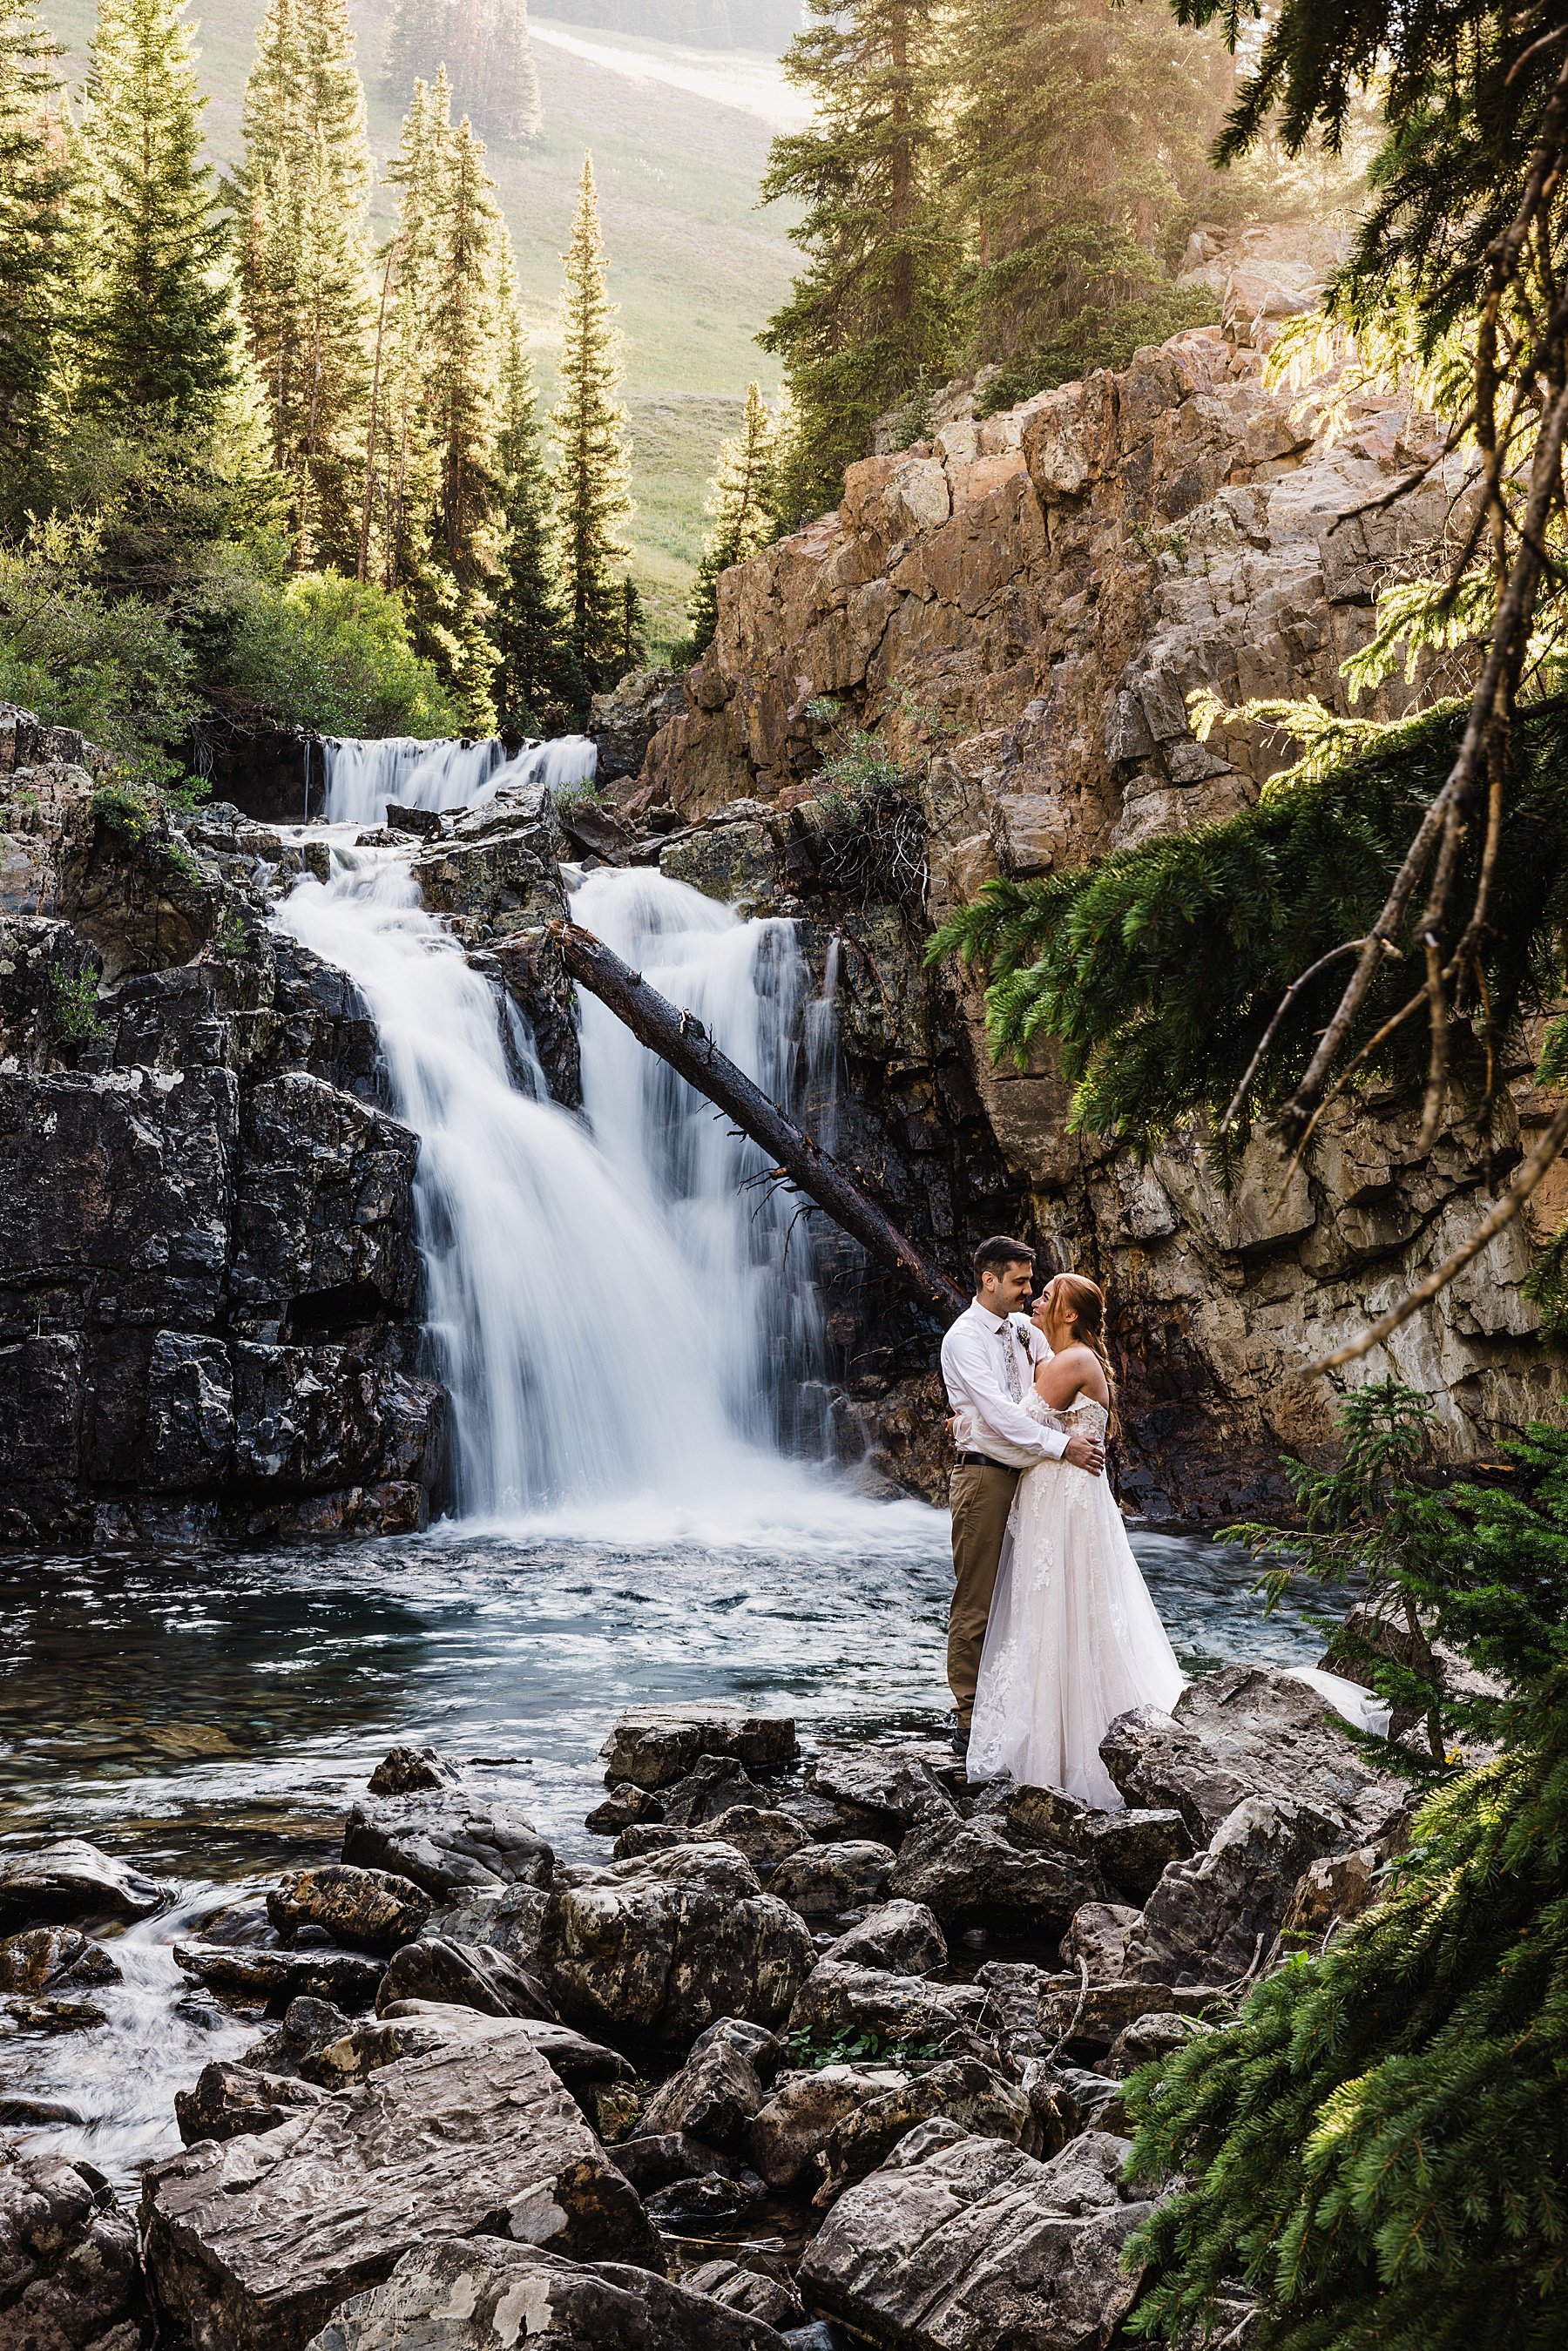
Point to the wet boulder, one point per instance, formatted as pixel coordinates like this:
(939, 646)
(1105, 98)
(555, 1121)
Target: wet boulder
(715, 1784)
(902, 1937)
(825, 1881)
(410, 1770)
(306, 2024)
(323, 1201)
(69, 2276)
(256, 2242)
(1248, 1731)
(1216, 1916)
(960, 2243)
(712, 2097)
(448, 1842)
(765, 1838)
(1131, 1849)
(240, 1972)
(366, 1909)
(626, 1806)
(464, 1975)
(970, 1871)
(891, 1789)
(654, 1746)
(664, 1945)
(962, 2090)
(507, 1919)
(486, 2294)
(70, 1882)
(53, 1960)
(229, 2101)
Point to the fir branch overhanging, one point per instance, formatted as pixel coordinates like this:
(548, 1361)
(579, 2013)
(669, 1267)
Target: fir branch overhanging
(1158, 969)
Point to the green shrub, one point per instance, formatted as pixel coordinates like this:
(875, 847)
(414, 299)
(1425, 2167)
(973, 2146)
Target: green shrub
(75, 1006)
(125, 808)
(328, 653)
(117, 668)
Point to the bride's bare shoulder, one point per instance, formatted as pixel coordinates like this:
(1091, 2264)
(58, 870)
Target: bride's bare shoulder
(1058, 1378)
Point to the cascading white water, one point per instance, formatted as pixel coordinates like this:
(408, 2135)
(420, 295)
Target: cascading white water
(617, 1309)
(363, 776)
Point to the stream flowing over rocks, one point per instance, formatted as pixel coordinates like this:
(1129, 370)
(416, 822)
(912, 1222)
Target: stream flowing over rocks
(658, 2102)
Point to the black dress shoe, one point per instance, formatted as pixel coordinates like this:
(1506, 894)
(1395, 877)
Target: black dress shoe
(959, 1737)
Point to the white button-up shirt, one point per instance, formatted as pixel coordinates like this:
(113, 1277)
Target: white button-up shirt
(974, 1358)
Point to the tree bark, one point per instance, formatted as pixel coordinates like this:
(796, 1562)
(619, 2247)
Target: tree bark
(680, 1038)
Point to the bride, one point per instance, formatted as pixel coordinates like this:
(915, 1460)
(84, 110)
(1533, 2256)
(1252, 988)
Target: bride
(1073, 1638)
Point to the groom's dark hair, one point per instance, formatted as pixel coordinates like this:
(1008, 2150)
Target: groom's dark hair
(995, 1256)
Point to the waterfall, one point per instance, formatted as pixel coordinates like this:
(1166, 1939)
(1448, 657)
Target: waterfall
(363, 776)
(623, 1311)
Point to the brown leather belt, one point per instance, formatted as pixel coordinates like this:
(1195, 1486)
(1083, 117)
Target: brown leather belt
(980, 1461)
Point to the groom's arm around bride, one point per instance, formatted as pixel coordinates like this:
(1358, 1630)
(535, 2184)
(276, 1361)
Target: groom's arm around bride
(987, 1366)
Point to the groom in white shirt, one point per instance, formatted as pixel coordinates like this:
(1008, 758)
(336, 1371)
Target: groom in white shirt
(987, 1364)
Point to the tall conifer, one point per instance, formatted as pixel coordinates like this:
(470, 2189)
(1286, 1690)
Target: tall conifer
(303, 194)
(486, 49)
(533, 670)
(34, 180)
(871, 312)
(591, 485)
(156, 331)
(739, 506)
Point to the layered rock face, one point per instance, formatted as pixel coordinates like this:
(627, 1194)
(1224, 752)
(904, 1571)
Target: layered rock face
(209, 1273)
(1019, 609)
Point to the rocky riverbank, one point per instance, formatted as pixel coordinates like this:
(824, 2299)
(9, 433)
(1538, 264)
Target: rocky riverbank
(829, 2051)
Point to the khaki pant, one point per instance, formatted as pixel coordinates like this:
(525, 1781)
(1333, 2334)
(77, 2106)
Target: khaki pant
(981, 1500)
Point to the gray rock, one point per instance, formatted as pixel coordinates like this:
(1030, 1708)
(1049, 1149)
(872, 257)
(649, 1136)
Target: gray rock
(366, 1909)
(624, 721)
(70, 1882)
(715, 1784)
(756, 2043)
(252, 2245)
(408, 1770)
(899, 2012)
(902, 1937)
(894, 1788)
(509, 1919)
(654, 2160)
(485, 2294)
(624, 1807)
(654, 1746)
(1132, 1849)
(239, 1971)
(1215, 1917)
(664, 1945)
(308, 2025)
(965, 2243)
(1098, 1937)
(963, 2090)
(1248, 1731)
(229, 2101)
(447, 1841)
(713, 2098)
(53, 1960)
(969, 1872)
(824, 1881)
(69, 2277)
(803, 2112)
(465, 1975)
(697, 2207)
(1093, 2019)
(1047, 1818)
(1158, 2034)
(415, 2028)
(762, 2293)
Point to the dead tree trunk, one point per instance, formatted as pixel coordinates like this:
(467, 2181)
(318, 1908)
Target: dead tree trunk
(680, 1038)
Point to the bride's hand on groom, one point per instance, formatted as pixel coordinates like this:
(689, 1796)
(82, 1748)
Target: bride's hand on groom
(1085, 1453)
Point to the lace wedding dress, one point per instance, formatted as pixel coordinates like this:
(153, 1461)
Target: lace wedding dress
(1074, 1639)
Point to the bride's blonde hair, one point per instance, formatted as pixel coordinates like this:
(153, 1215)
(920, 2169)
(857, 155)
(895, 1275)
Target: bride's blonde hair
(1087, 1301)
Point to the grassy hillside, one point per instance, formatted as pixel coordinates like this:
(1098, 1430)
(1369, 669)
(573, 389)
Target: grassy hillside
(695, 266)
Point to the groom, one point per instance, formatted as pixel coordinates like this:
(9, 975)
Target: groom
(988, 1365)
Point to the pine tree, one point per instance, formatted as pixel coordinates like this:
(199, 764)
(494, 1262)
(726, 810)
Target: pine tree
(740, 512)
(156, 333)
(871, 312)
(1080, 140)
(302, 194)
(534, 670)
(591, 487)
(35, 176)
(484, 48)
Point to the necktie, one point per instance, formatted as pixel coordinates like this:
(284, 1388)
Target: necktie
(1011, 1373)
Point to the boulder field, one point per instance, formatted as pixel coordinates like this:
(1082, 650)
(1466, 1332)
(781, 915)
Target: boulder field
(698, 2097)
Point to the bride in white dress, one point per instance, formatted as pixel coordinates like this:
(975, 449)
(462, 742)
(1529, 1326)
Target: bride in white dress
(1074, 1639)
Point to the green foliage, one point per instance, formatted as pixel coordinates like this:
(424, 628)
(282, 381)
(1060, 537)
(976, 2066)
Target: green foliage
(328, 653)
(591, 487)
(127, 809)
(534, 669)
(739, 512)
(484, 48)
(1159, 968)
(35, 177)
(155, 329)
(114, 666)
(73, 1006)
(1118, 308)
(870, 314)
(852, 2048)
(865, 826)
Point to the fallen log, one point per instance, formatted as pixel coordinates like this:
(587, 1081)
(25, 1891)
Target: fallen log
(680, 1038)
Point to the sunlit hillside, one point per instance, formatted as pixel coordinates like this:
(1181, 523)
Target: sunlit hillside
(679, 137)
